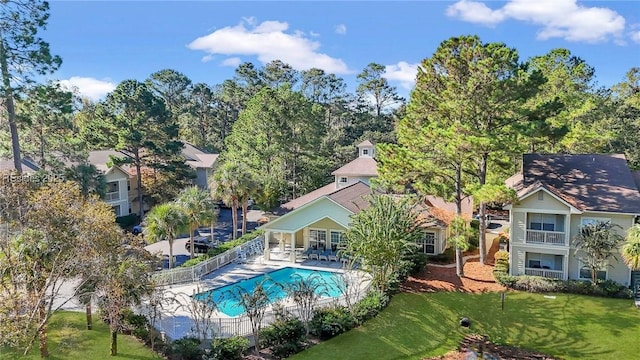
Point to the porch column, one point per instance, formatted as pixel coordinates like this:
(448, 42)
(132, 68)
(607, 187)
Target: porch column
(567, 228)
(292, 255)
(267, 250)
(565, 265)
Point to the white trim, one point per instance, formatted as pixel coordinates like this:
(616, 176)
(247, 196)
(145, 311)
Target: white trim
(571, 208)
(595, 219)
(541, 211)
(346, 179)
(610, 213)
(293, 212)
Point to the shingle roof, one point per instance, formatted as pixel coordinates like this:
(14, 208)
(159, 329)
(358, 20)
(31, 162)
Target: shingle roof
(196, 157)
(588, 182)
(365, 143)
(365, 166)
(309, 197)
(352, 197)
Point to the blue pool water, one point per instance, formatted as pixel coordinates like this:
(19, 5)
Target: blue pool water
(230, 306)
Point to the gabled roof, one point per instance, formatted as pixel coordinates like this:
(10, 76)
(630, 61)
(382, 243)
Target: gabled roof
(588, 182)
(365, 143)
(364, 166)
(198, 158)
(350, 197)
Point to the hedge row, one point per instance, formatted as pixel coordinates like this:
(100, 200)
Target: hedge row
(538, 284)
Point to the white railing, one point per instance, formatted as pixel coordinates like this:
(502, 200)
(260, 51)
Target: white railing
(194, 273)
(112, 196)
(545, 237)
(548, 273)
(176, 327)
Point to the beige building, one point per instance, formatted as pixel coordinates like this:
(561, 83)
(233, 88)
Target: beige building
(557, 194)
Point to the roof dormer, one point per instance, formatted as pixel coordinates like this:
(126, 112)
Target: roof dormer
(366, 149)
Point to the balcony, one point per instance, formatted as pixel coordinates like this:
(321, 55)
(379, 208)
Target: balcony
(548, 273)
(545, 237)
(112, 196)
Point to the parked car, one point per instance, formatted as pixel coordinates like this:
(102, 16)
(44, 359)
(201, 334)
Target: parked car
(201, 244)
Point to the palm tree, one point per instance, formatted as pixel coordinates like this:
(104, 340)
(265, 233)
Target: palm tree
(164, 222)
(597, 242)
(197, 207)
(631, 249)
(226, 187)
(246, 187)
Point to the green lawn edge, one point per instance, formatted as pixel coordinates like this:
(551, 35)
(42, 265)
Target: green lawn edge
(566, 326)
(69, 339)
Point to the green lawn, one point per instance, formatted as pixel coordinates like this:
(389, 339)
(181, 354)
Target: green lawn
(69, 339)
(415, 326)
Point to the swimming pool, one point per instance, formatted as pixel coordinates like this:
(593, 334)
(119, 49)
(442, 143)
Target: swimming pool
(230, 306)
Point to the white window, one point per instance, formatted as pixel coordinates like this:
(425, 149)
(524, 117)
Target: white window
(336, 238)
(428, 244)
(365, 151)
(544, 222)
(591, 220)
(343, 179)
(317, 238)
(584, 272)
(116, 210)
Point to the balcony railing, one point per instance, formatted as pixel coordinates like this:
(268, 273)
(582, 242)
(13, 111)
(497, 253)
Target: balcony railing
(545, 237)
(112, 196)
(548, 273)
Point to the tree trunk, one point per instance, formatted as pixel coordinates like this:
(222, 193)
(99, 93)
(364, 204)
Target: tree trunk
(171, 253)
(193, 246)
(10, 107)
(114, 343)
(234, 219)
(459, 263)
(139, 184)
(482, 241)
(245, 206)
(44, 348)
(87, 309)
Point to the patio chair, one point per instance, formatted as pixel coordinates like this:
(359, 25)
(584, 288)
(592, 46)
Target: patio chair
(307, 253)
(333, 256)
(314, 255)
(324, 255)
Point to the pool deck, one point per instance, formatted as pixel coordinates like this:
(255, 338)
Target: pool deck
(176, 320)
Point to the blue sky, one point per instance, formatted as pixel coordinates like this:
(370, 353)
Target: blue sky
(104, 42)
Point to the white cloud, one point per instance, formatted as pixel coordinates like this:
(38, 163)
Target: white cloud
(402, 72)
(341, 29)
(269, 41)
(314, 34)
(635, 36)
(89, 87)
(207, 58)
(475, 12)
(558, 18)
(232, 61)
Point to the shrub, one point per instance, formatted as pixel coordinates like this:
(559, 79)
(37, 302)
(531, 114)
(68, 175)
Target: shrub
(329, 322)
(127, 220)
(370, 305)
(501, 255)
(226, 246)
(447, 257)
(415, 263)
(230, 348)
(187, 348)
(284, 337)
(537, 284)
(196, 260)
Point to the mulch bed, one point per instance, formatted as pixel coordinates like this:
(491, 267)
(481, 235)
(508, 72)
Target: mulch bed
(469, 349)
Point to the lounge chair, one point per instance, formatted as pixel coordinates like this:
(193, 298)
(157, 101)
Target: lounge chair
(314, 255)
(324, 255)
(333, 256)
(307, 253)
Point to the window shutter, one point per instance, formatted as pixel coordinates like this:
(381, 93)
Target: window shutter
(520, 264)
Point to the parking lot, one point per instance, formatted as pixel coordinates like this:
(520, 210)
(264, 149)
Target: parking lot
(221, 233)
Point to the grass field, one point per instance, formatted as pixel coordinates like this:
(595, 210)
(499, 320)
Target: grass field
(415, 326)
(69, 339)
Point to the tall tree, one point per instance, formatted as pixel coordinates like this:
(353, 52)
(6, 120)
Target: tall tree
(277, 73)
(225, 186)
(171, 86)
(22, 54)
(197, 207)
(164, 222)
(45, 116)
(625, 111)
(596, 243)
(376, 89)
(137, 124)
(460, 120)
